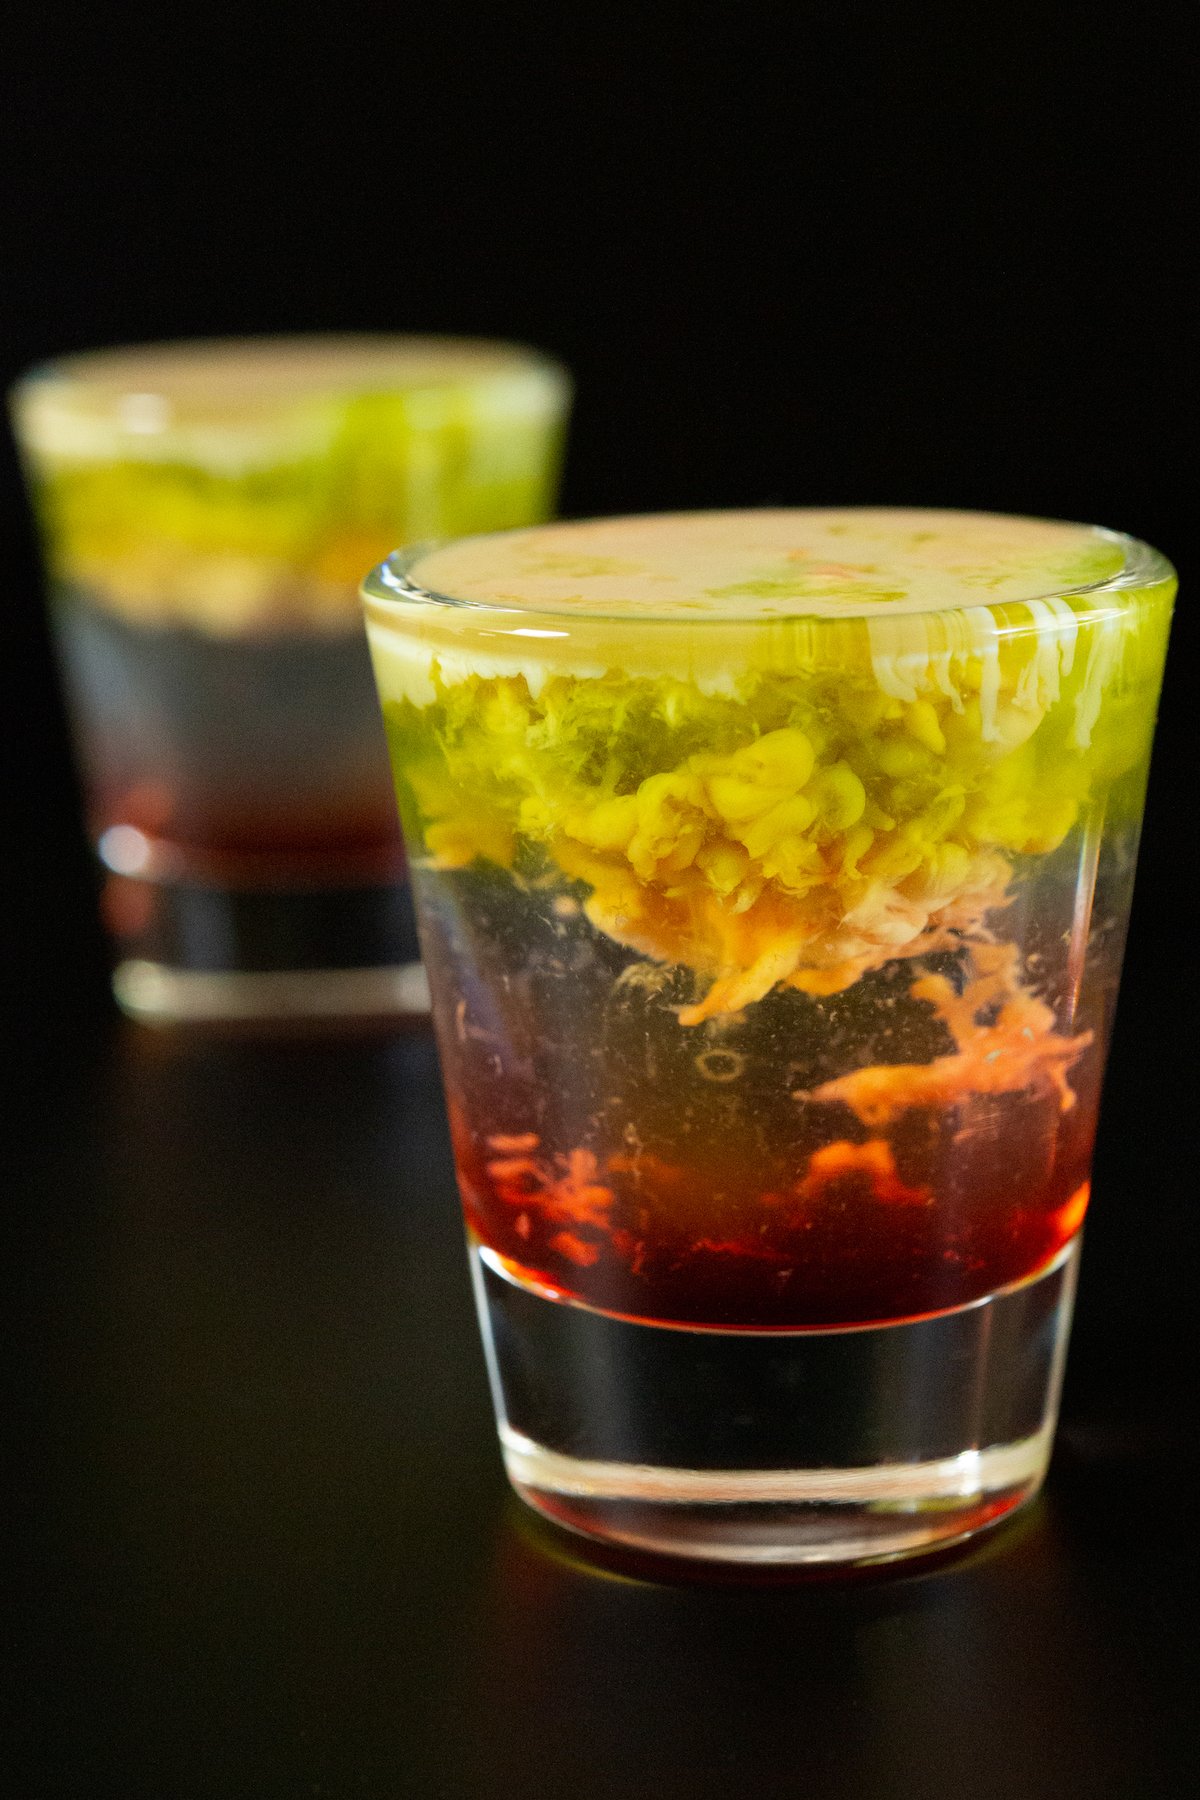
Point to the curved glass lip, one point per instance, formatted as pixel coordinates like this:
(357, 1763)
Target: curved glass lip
(255, 365)
(266, 399)
(390, 586)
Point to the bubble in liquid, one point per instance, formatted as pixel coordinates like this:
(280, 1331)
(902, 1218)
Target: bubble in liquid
(720, 1065)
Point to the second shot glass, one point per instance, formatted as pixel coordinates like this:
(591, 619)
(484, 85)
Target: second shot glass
(206, 512)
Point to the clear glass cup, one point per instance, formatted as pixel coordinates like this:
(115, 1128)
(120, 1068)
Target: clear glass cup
(772, 872)
(206, 511)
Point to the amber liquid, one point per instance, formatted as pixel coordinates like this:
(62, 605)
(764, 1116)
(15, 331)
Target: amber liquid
(242, 761)
(609, 1155)
(239, 796)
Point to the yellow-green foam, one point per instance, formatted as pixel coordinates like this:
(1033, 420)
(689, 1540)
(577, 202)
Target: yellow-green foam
(770, 797)
(229, 484)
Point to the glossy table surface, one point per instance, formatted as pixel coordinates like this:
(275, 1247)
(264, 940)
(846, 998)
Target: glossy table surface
(262, 1545)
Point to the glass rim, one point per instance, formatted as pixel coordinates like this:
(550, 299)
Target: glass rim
(390, 589)
(108, 369)
(213, 401)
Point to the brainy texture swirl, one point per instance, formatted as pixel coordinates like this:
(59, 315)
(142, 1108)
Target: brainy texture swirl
(798, 825)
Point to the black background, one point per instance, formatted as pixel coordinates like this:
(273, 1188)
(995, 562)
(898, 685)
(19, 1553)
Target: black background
(846, 254)
(793, 254)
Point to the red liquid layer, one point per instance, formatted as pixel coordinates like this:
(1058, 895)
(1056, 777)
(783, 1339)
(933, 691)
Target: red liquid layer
(867, 1230)
(254, 841)
(241, 762)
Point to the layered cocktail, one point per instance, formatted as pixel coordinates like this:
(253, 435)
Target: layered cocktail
(207, 511)
(773, 871)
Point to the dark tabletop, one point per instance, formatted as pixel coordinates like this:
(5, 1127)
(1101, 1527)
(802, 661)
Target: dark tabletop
(261, 1540)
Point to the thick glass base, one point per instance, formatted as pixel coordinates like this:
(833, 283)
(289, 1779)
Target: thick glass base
(158, 995)
(821, 1447)
(202, 954)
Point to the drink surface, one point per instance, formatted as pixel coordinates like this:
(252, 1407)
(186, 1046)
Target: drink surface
(774, 562)
(773, 869)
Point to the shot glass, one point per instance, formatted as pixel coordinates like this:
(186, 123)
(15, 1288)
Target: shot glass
(206, 511)
(772, 871)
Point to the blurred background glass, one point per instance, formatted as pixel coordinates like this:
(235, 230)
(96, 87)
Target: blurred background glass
(206, 511)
